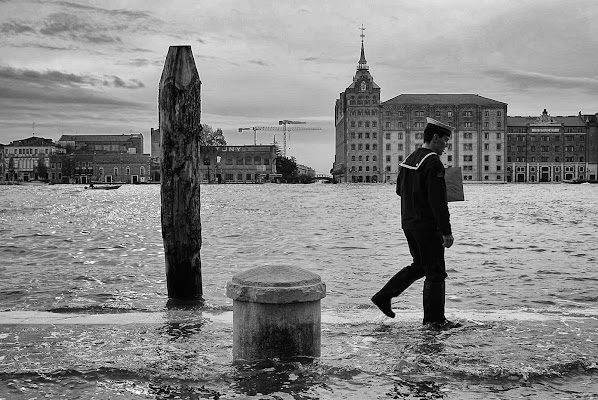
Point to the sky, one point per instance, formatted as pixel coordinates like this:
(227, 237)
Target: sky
(93, 67)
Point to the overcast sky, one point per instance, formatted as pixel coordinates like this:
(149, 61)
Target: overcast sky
(94, 66)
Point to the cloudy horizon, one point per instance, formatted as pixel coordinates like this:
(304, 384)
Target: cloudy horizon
(94, 67)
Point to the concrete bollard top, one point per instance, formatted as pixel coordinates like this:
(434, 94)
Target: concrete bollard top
(276, 284)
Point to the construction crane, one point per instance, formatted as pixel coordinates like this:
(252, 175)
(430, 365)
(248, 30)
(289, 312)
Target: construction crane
(283, 128)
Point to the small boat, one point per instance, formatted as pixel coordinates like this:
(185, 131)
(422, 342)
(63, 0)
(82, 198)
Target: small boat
(578, 181)
(102, 187)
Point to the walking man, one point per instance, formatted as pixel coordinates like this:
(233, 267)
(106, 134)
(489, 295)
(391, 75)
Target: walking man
(425, 220)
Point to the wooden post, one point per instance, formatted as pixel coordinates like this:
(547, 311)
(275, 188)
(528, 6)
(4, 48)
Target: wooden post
(179, 108)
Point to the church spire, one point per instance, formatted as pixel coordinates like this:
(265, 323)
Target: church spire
(363, 64)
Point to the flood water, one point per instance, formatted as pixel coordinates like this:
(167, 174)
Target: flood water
(83, 306)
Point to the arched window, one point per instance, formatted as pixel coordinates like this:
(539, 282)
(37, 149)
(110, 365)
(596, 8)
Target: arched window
(257, 160)
(115, 171)
(128, 171)
(248, 160)
(266, 161)
(229, 161)
(101, 171)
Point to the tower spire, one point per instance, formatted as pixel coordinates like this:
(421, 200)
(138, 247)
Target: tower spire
(363, 64)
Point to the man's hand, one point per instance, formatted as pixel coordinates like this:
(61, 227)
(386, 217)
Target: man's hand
(448, 240)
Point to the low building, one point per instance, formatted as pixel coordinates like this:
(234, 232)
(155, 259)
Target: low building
(125, 143)
(28, 159)
(238, 164)
(548, 149)
(305, 170)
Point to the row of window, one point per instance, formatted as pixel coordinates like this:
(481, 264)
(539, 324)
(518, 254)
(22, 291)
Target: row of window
(360, 135)
(546, 149)
(231, 177)
(360, 168)
(546, 138)
(360, 102)
(257, 160)
(27, 151)
(365, 112)
(364, 123)
(361, 158)
(367, 146)
(545, 159)
(438, 113)
(421, 125)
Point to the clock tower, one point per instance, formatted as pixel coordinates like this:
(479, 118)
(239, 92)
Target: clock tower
(357, 122)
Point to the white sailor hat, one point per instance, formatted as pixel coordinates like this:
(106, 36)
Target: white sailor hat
(439, 127)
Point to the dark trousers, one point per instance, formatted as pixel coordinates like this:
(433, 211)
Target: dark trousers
(427, 250)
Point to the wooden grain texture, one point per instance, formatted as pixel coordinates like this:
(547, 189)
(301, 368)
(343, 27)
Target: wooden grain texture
(179, 108)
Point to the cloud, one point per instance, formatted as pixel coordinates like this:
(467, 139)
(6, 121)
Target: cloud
(529, 80)
(56, 79)
(73, 27)
(16, 28)
(110, 12)
(258, 62)
(119, 83)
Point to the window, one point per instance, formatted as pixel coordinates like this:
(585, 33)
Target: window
(367, 135)
(400, 114)
(486, 124)
(486, 135)
(360, 158)
(486, 146)
(359, 146)
(467, 113)
(400, 147)
(388, 124)
(352, 124)
(360, 135)
(498, 113)
(486, 113)
(486, 158)
(360, 168)
(141, 171)
(374, 124)
(374, 146)
(374, 158)
(498, 135)
(352, 158)
(374, 135)
(419, 124)
(437, 113)
(367, 167)
(116, 171)
(352, 135)
(359, 123)
(387, 135)
(353, 146)
(468, 124)
(449, 158)
(367, 146)
(367, 124)
(449, 114)
(400, 135)
(498, 146)
(419, 113)
(388, 146)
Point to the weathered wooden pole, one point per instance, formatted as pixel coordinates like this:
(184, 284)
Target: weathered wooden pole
(179, 110)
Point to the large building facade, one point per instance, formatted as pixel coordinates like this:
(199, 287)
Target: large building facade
(28, 159)
(373, 137)
(551, 149)
(238, 164)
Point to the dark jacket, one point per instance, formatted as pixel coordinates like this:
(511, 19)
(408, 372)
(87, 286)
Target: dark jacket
(422, 189)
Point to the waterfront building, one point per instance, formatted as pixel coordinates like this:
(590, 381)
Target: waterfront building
(305, 170)
(27, 159)
(101, 158)
(373, 138)
(238, 164)
(124, 143)
(550, 149)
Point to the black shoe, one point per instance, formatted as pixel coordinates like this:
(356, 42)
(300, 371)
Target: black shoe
(383, 303)
(444, 325)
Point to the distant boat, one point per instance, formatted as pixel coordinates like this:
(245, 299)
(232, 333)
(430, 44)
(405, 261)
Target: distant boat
(102, 187)
(578, 181)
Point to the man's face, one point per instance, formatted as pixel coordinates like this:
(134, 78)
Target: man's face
(439, 143)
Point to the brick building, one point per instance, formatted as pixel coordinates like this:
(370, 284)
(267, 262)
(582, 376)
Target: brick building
(22, 158)
(551, 149)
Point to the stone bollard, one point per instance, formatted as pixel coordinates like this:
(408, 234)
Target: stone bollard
(276, 312)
